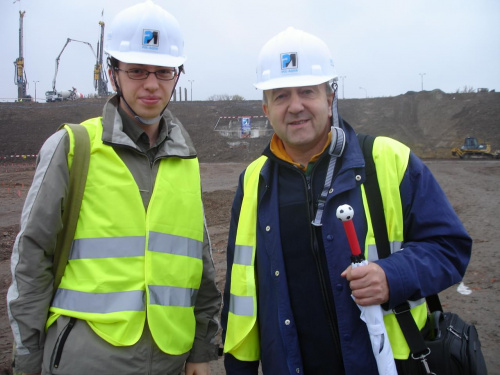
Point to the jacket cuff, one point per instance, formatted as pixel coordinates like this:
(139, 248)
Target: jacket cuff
(29, 363)
(203, 352)
(396, 282)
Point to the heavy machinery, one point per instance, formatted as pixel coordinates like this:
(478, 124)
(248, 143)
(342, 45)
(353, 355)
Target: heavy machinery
(100, 79)
(472, 149)
(54, 95)
(20, 75)
(59, 96)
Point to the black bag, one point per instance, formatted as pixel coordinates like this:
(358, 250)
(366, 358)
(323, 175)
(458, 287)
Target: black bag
(447, 345)
(454, 346)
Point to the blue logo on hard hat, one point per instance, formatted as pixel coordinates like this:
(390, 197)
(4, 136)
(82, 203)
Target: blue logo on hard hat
(151, 39)
(289, 61)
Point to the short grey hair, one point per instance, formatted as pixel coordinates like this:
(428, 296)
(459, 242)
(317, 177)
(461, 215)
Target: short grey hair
(328, 89)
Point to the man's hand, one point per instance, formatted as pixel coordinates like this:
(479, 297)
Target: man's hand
(197, 368)
(368, 284)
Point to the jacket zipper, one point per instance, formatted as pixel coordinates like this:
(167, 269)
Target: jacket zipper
(327, 298)
(62, 341)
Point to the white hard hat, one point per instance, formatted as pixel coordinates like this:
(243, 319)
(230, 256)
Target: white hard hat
(294, 58)
(146, 34)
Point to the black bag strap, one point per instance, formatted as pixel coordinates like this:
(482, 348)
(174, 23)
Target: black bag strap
(410, 329)
(71, 210)
(374, 197)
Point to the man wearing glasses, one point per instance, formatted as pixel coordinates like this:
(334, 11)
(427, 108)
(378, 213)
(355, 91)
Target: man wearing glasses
(138, 294)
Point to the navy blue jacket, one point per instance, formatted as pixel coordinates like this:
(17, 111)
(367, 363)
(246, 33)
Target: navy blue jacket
(436, 253)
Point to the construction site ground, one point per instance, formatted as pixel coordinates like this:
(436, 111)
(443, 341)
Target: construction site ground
(430, 122)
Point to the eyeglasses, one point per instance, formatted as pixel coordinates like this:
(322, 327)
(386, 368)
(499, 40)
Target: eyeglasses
(141, 74)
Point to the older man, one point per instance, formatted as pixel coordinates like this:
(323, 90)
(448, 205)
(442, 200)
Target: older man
(287, 299)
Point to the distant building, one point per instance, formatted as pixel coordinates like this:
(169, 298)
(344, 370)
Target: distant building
(243, 126)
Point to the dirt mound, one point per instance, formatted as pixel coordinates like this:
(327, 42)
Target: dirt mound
(431, 123)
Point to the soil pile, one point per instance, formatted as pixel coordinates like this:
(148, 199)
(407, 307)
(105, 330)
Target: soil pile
(431, 123)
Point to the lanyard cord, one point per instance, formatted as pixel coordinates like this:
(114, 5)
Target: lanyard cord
(336, 148)
(338, 143)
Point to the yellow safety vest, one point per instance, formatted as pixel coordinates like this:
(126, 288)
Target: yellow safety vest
(242, 336)
(125, 262)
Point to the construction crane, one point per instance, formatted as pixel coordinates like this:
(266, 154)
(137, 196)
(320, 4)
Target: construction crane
(52, 96)
(59, 57)
(100, 78)
(20, 75)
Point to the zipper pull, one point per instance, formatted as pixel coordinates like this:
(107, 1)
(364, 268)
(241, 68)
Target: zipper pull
(454, 331)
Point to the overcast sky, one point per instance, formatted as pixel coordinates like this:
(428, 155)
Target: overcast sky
(382, 48)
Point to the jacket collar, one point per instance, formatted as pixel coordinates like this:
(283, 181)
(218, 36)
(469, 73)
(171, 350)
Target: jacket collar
(353, 155)
(178, 142)
(278, 149)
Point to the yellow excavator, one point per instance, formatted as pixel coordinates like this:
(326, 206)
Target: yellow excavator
(472, 149)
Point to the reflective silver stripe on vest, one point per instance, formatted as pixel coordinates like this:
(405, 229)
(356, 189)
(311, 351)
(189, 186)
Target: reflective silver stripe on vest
(241, 305)
(373, 254)
(243, 255)
(99, 303)
(108, 247)
(170, 244)
(172, 296)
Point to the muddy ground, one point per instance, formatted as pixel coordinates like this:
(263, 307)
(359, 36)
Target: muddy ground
(471, 186)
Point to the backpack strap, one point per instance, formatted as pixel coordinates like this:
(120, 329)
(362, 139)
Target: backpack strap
(73, 201)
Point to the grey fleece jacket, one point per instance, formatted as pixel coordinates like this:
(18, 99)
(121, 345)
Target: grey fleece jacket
(30, 293)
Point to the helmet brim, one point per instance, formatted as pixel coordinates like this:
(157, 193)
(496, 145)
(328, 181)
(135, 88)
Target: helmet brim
(148, 58)
(293, 81)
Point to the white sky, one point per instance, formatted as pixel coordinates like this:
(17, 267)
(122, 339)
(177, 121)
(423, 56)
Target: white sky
(381, 47)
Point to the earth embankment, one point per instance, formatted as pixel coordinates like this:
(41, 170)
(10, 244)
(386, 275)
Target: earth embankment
(430, 122)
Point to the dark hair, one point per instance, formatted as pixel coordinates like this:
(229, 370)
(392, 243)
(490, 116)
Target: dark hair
(112, 62)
